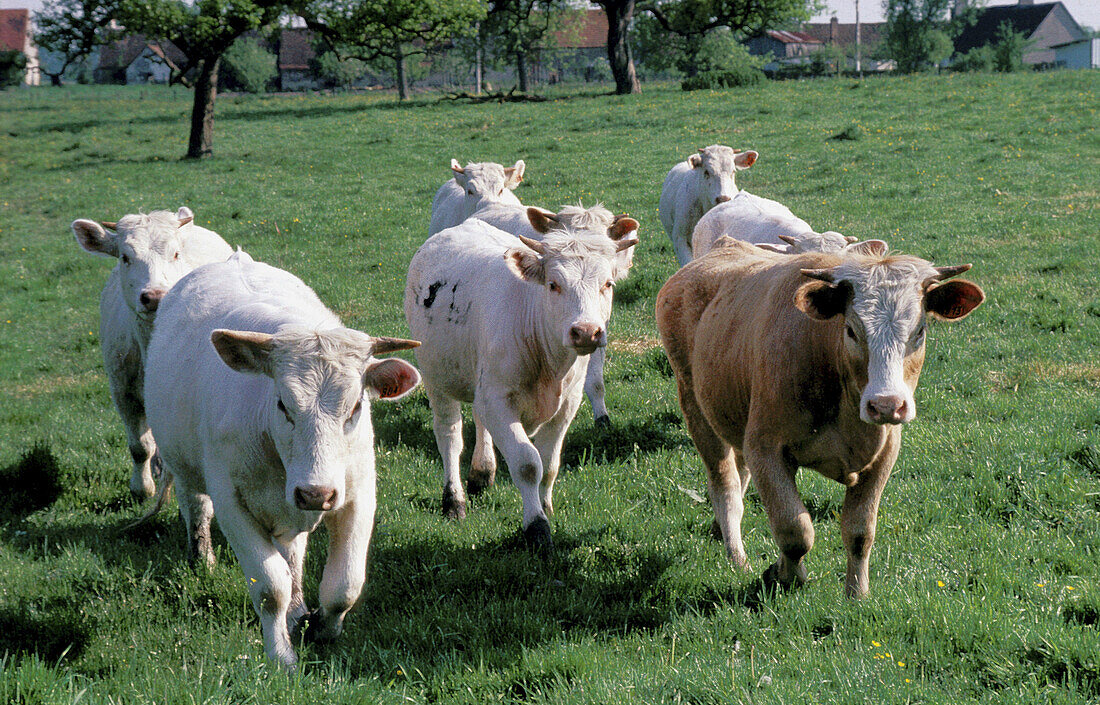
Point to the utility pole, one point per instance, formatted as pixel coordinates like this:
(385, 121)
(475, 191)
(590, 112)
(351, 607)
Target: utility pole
(859, 46)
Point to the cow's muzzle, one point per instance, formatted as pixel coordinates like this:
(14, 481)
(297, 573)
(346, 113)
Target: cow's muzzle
(888, 409)
(315, 498)
(586, 337)
(150, 298)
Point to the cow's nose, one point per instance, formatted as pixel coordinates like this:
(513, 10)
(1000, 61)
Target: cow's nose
(150, 298)
(585, 335)
(315, 498)
(721, 199)
(887, 408)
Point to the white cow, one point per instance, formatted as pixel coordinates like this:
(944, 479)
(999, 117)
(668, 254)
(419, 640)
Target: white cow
(696, 185)
(535, 223)
(768, 224)
(509, 326)
(259, 400)
(473, 186)
(153, 252)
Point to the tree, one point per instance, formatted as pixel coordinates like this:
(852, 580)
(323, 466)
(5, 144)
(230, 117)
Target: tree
(690, 21)
(915, 32)
(1008, 49)
(250, 67)
(619, 15)
(72, 29)
(13, 65)
(371, 29)
(518, 26)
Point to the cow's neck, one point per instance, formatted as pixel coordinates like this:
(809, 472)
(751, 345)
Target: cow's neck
(548, 355)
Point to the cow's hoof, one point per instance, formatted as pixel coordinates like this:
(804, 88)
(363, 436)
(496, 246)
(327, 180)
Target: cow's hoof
(772, 581)
(537, 535)
(453, 508)
(313, 627)
(478, 483)
(603, 423)
(156, 467)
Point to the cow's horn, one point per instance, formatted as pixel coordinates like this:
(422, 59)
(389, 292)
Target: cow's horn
(388, 345)
(533, 244)
(185, 221)
(108, 225)
(456, 167)
(825, 275)
(626, 242)
(788, 239)
(945, 273)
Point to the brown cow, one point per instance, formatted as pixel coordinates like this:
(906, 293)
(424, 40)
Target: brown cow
(807, 360)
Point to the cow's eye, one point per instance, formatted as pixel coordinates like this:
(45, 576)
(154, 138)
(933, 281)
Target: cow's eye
(358, 407)
(126, 259)
(850, 331)
(555, 287)
(176, 256)
(282, 408)
(608, 284)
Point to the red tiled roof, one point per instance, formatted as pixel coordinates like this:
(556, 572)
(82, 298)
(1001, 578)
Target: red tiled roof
(869, 32)
(296, 49)
(14, 28)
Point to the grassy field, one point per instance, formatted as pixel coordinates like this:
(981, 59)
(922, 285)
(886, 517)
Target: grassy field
(985, 574)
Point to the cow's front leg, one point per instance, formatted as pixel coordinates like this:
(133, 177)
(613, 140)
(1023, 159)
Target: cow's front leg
(524, 464)
(447, 424)
(293, 550)
(349, 531)
(266, 572)
(548, 441)
(773, 473)
(483, 464)
(126, 393)
(681, 237)
(594, 388)
(859, 515)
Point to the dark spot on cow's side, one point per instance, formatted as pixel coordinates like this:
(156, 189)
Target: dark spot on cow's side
(432, 291)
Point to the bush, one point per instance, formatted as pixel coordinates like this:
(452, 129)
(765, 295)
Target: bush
(746, 76)
(336, 72)
(12, 64)
(1009, 48)
(977, 59)
(249, 67)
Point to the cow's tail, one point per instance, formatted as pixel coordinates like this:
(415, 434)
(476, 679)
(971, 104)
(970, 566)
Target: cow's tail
(164, 490)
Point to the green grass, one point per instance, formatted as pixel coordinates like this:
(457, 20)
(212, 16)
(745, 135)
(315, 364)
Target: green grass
(984, 575)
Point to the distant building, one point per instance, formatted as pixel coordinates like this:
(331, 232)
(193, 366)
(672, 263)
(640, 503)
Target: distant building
(296, 54)
(16, 35)
(134, 60)
(1046, 24)
(844, 34)
(783, 44)
(1084, 54)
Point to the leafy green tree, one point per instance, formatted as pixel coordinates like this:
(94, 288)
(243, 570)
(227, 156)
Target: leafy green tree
(72, 29)
(1008, 49)
(690, 22)
(915, 33)
(250, 67)
(12, 66)
(372, 29)
(516, 27)
(336, 72)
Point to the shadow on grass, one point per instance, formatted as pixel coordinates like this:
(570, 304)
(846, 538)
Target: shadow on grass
(52, 630)
(620, 440)
(30, 484)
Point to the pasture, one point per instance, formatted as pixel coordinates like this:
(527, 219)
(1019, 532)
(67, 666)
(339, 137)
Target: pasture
(985, 572)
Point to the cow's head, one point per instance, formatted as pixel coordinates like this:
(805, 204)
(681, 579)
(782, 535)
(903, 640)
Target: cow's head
(830, 242)
(319, 411)
(150, 251)
(595, 219)
(486, 182)
(884, 302)
(716, 166)
(576, 272)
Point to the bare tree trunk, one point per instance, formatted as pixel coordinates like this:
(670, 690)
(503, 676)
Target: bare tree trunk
(479, 61)
(201, 142)
(619, 14)
(521, 70)
(402, 80)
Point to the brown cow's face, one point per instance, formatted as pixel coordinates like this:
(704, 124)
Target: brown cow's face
(884, 303)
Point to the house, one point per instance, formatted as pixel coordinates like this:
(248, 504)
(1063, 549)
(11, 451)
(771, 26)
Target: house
(783, 44)
(134, 60)
(1084, 54)
(843, 35)
(16, 35)
(294, 47)
(1047, 24)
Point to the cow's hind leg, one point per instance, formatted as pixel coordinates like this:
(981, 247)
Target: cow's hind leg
(594, 388)
(724, 485)
(349, 531)
(483, 465)
(548, 440)
(196, 510)
(447, 424)
(773, 474)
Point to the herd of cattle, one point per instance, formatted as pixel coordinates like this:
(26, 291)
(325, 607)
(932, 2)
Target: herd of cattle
(790, 348)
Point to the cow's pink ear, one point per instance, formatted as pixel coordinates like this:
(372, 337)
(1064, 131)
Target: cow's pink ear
(513, 175)
(93, 238)
(526, 264)
(622, 226)
(391, 379)
(822, 300)
(542, 221)
(244, 351)
(743, 160)
(953, 300)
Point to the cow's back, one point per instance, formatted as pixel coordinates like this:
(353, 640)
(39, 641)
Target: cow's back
(202, 246)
